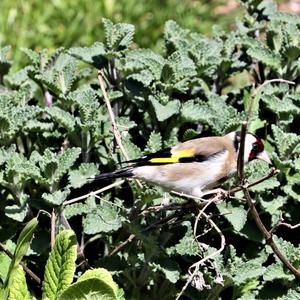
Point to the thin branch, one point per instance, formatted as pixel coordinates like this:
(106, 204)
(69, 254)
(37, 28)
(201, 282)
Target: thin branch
(116, 131)
(256, 93)
(272, 173)
(108, 187)
(122, 245)
(25, 268)
(240, 162)
(271, 81)
(267, 235)
(196, 266)
(282, 223)
(53, 227)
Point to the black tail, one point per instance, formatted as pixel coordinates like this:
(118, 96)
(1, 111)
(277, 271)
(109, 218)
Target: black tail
(116, 174)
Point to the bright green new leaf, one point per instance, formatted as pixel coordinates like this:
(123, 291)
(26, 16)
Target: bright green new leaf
(60, 265)
(18, 288)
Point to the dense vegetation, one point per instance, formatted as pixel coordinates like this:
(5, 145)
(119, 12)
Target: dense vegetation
(56, 132)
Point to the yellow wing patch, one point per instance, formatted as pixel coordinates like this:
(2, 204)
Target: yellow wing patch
(174, 157)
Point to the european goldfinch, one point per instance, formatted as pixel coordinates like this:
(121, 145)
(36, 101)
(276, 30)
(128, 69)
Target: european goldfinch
(195, 165)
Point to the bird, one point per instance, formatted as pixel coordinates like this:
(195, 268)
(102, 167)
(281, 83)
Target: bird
(194, 166)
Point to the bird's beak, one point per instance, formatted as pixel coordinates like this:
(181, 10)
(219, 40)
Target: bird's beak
(264, 156)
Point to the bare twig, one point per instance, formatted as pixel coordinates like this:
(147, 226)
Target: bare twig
(116, 131)
(240, 162)
(282, 223)
(272, 173)
(53, 227)
(108, 187)
(271, 81)
(267, 235)
(26, 269)
(196, 266)
(122, 245)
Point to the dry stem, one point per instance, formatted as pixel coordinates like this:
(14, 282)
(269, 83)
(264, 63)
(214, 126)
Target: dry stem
(116, 131)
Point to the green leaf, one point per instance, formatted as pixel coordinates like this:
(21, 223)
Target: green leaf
(62, 117)
(257, 169)
(56, 198)
(169, 268)
(18, 288)
(276, 272)
(91, 55)
(118, 36)
(92, 289)
(133, 151)
(265, 56)
(5, 260)
(164, 112)
(78, 178)
(154, 143)
(80, 208)
(16, 212)
(105, 276)
(187, 245)
(66, 160)
(285, 141)
(22, 246)
(104, 218)
(235, 214)
(60, 265)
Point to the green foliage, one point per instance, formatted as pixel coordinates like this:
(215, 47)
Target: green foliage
(18, 289)
(56, 133)
(15, 285)
(60, 266)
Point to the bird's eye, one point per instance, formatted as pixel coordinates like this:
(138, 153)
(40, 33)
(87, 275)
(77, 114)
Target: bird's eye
(255, 148)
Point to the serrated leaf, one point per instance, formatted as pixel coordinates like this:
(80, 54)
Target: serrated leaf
(118, 36)
(92, 289)
(18, 288)
(62, 117)
(91, 55)
(276, 272)
(190, 134)
(6, 153)
(104, 218)
(105, 276)
(285, 141)
(220, 116)
(67, 159)
(154, 143)
(164, 112)
(293, 190)
(187, 245)
(60, 267)
(266, 56)
(78, 178)
(16, 212)
(169, 268)
(133, 151)
(257, 169)
(235, 214)
(56, 198)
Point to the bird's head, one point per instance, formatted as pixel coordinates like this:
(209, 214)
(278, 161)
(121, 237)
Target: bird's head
(254, 147)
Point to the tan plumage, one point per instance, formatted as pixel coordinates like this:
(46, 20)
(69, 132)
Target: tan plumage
(195, 165)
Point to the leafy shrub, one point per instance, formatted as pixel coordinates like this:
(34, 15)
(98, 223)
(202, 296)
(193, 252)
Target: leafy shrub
(56, 133)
